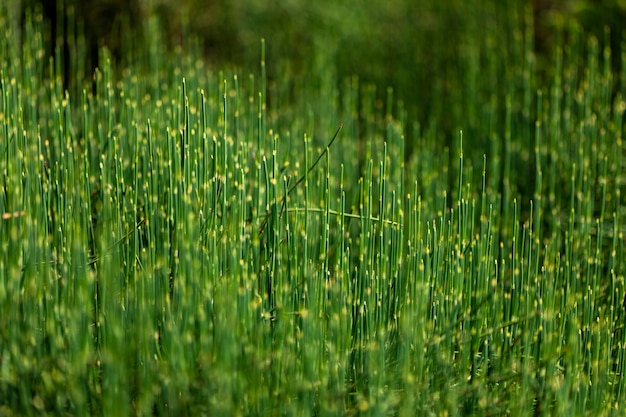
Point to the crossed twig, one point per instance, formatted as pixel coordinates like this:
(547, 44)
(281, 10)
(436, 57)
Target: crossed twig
(299, 181)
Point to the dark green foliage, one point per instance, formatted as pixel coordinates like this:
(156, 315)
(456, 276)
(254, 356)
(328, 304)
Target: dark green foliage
(179, 237)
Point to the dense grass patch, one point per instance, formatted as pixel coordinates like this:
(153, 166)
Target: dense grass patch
(183, 240)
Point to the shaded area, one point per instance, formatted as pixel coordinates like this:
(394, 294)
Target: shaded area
(388, 44)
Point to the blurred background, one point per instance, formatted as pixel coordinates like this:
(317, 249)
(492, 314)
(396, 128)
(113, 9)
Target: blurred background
(399, 43)
(428, 51)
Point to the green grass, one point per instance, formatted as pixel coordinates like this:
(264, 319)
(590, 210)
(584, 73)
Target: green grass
(183, 240)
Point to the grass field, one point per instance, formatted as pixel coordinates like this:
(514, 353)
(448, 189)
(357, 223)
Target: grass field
(182, 239)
